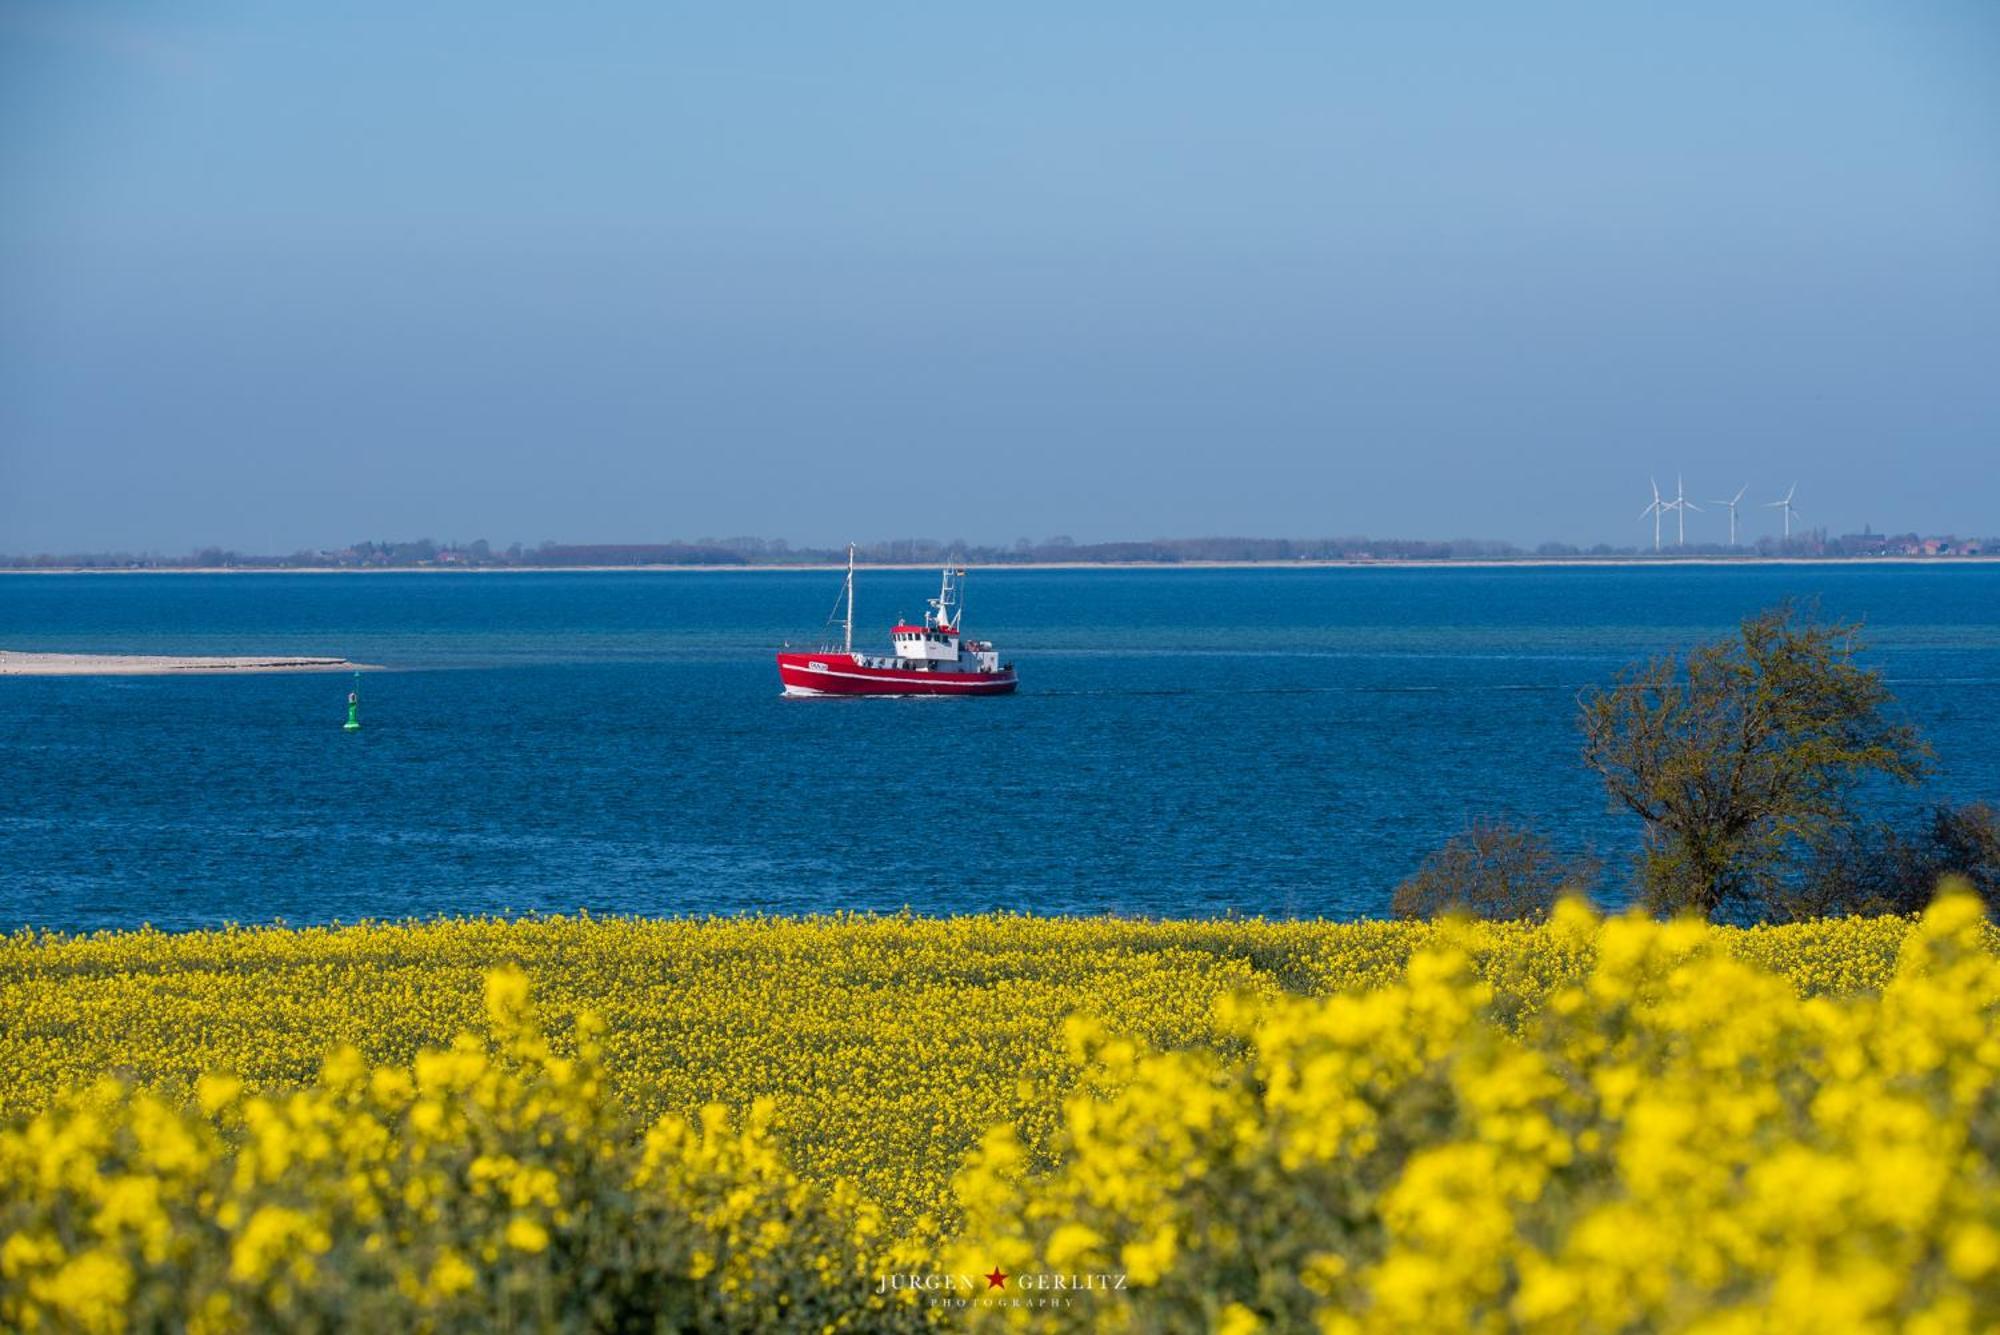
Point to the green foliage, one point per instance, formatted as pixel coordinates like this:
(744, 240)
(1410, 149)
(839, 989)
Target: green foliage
(1740, 753)
(1884, 868)
(1493, 870)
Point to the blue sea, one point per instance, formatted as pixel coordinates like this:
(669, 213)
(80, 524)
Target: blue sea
(1184, 742)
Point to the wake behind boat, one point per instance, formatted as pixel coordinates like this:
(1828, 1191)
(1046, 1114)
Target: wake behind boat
(934, 658)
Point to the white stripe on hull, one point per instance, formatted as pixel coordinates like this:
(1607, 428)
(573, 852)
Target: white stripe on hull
(929, 683)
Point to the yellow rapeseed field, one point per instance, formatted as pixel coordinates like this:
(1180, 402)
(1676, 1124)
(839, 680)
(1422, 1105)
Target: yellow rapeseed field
(866, 1123)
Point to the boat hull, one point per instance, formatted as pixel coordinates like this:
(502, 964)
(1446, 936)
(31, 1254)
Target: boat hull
(838, 674)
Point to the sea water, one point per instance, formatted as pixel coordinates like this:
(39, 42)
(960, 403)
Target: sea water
(1184, 742)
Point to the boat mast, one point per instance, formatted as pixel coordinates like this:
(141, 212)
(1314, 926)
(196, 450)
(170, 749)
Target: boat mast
(944, 604)
(849, 641)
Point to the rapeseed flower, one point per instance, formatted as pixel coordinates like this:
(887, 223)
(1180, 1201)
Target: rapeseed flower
(577, 1123)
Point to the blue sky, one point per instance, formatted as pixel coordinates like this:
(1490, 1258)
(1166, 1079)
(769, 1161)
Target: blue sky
(277, 276)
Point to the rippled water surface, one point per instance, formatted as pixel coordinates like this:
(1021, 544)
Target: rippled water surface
(1184, 742)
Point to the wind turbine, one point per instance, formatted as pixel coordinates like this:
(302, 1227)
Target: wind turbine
(1730, 505)
(1786, 505)
(1681, 505)
(1656, 509)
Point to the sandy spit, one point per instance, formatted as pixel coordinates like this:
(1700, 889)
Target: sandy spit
(14, 664)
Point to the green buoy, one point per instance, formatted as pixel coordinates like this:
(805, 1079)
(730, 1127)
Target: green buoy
(353, 723)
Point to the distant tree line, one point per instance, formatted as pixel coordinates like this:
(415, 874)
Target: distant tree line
(428, 553)
(1749, 763)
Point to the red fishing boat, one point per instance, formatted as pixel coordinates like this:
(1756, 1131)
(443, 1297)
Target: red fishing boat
(934, 658)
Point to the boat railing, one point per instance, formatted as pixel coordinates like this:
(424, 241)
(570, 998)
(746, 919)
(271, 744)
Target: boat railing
(888, 661)
(836, 651)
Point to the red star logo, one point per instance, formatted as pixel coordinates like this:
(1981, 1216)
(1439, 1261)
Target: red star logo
(996, 1280)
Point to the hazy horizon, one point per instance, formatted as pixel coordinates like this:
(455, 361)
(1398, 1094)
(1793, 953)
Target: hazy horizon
(272, 277)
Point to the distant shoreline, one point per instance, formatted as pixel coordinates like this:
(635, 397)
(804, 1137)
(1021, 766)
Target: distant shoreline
(1470, 563)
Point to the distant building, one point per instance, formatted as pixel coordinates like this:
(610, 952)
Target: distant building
(1869, 543)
